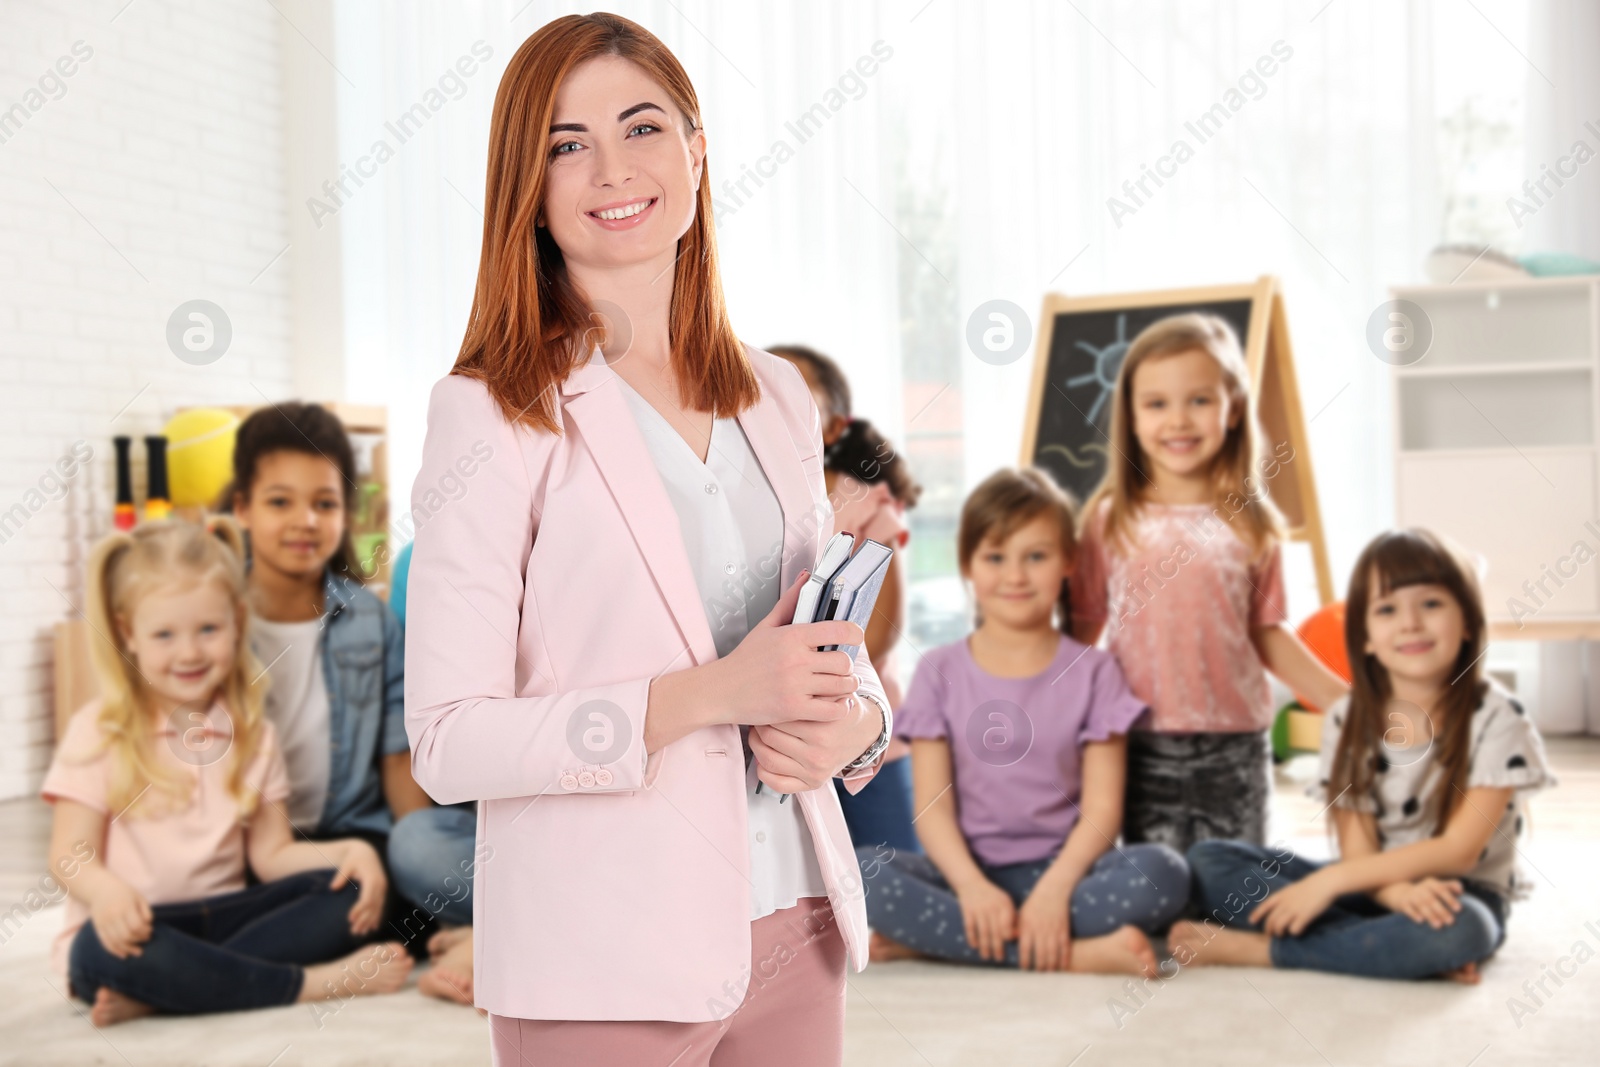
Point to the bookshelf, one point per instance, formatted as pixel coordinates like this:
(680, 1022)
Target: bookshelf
(1495, 444)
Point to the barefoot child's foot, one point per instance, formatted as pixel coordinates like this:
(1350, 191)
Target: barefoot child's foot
(881, 949)
(1466, 975)
(1198, 944)
(111, 1007)
(1123, 951)
(450, 977)
(378, 968)
(448, 938)
(1186, 940)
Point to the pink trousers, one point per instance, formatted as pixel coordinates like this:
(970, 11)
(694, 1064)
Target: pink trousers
(792, 1014)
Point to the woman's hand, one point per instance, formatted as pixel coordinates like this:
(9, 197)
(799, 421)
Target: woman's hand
(1434, 901)
(776, 673)
(989, 917)
(1291, 909)
(360, 862)
(122, 918)
(792, 757)
(1044, 928)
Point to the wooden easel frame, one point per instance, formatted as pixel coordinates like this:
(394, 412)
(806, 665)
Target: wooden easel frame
(1274, 391)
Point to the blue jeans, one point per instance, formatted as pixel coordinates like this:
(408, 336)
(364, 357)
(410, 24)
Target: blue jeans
(909, 901)
(881, 813)
(430, 861)
(230, 952)
(1356, 935)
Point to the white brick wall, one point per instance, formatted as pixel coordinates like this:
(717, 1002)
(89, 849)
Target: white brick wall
(165, 153)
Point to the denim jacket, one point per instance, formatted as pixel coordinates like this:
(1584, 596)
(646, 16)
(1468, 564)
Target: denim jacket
(363, 662)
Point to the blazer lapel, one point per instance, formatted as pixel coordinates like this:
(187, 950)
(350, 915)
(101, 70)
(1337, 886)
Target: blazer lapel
(597, 407)
(780, 459)
(600, 412)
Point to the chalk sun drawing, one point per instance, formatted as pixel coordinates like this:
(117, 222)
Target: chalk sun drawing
(1107, 362)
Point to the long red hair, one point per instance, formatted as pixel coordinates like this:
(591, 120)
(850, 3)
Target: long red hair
(530, 326)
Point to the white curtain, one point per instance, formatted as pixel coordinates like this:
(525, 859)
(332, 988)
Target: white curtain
(1563, 108)
(1563, 83)
(974, 162)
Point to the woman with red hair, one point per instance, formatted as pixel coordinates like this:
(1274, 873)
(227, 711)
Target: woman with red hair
(621, 501)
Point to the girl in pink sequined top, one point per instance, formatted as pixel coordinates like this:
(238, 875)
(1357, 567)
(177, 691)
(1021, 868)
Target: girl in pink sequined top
(1179, 565)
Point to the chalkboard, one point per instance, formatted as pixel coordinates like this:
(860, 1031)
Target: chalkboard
(1085, 354)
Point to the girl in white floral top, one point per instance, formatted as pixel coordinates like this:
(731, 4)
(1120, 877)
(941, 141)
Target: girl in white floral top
(1426, 768)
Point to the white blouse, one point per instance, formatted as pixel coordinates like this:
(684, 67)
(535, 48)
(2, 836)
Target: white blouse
(732, 528)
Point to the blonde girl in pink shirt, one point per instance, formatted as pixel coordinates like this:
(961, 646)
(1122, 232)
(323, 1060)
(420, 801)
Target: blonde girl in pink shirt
(1180, 566)
(169, 784)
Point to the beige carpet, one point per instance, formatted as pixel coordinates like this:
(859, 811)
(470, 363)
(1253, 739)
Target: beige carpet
(930, 1015)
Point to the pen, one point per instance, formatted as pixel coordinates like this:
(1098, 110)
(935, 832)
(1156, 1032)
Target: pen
(783, 798)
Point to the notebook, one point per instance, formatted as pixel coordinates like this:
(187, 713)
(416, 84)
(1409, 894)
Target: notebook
(813, 598)
(853, 589)
(841, 586)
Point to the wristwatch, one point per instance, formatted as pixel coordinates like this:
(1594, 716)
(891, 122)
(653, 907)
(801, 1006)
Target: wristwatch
(870, 756)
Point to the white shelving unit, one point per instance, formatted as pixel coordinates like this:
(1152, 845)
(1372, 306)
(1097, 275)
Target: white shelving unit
(1496, 444)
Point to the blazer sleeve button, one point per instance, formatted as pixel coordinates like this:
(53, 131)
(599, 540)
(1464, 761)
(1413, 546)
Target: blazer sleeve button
(569, 780)
(586, 779)
(603, 777)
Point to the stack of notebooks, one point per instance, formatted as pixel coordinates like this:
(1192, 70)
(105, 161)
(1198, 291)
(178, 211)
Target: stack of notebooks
(842, 586)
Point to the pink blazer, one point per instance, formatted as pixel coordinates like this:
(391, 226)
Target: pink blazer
(549, 584)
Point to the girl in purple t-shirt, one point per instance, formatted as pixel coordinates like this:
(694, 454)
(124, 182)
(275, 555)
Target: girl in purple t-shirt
(1018, 738)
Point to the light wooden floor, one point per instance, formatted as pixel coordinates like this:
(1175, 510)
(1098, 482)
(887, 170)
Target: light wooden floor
(915, 1014)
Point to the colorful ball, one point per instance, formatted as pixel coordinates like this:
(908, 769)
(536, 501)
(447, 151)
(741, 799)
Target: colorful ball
(1323, 633)
(200, 455)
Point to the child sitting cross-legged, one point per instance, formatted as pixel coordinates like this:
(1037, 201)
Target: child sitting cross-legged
(166, 787)
(1425, 767)
(1018, 750)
